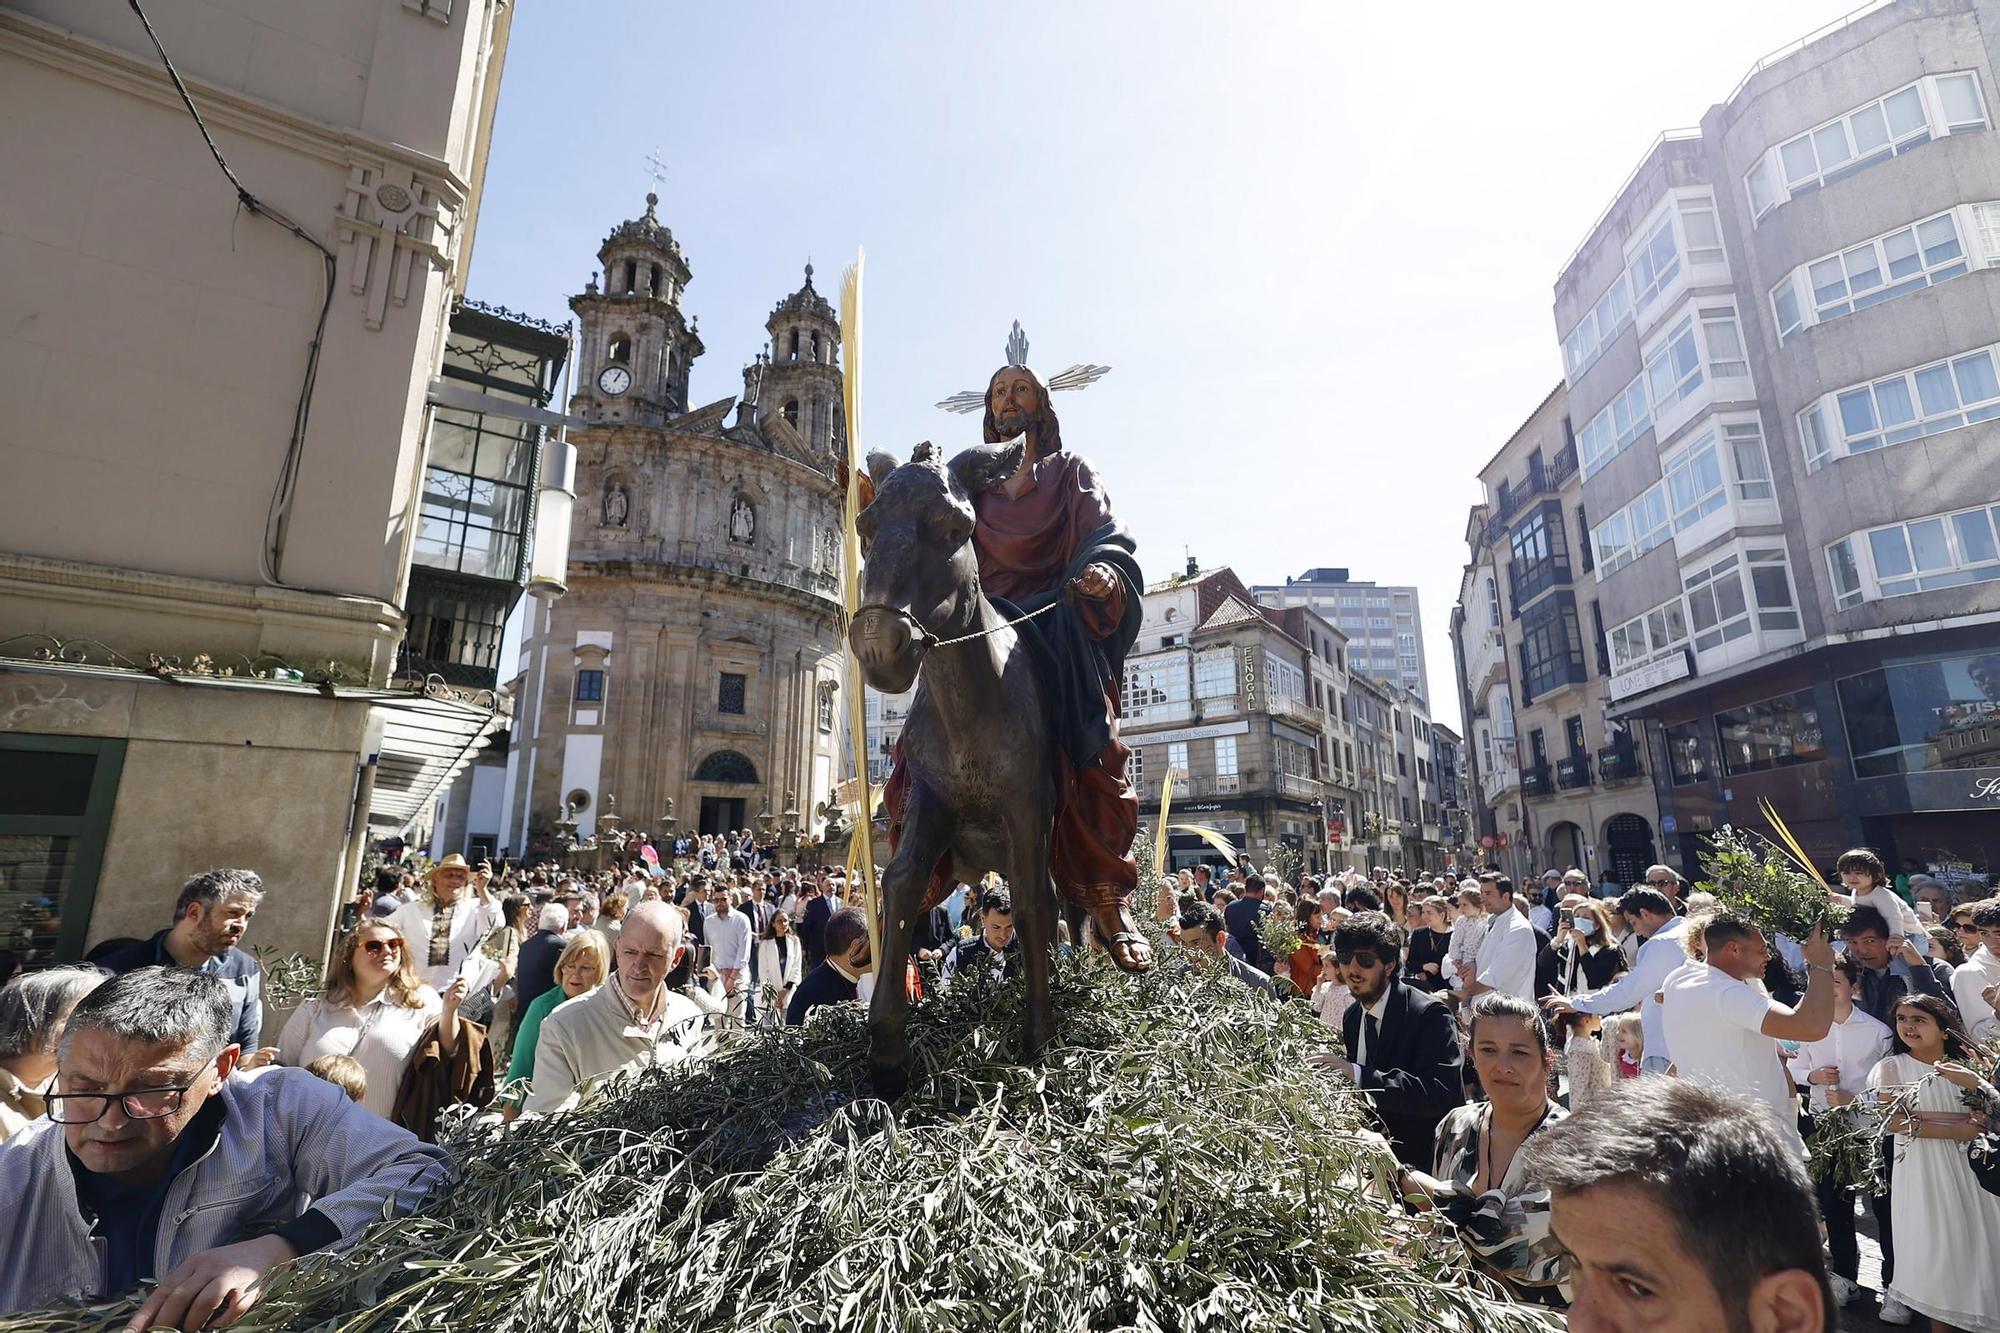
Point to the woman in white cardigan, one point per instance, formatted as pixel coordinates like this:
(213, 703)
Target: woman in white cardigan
(779, 968)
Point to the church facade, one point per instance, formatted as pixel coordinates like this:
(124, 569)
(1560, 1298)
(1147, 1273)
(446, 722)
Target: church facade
(692, 671)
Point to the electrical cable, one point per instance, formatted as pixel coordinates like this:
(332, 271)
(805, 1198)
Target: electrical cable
(272, 555)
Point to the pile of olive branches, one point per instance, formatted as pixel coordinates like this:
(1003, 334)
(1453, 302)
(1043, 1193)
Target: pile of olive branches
(1170, 1163)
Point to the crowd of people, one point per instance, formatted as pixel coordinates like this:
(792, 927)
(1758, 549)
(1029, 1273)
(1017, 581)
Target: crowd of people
(1593, 1083)
(1479, 1018)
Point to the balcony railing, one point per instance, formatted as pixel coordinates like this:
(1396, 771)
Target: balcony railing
(1284, 705)
(1305, 789)
(1573, 772)
(1536, 780)
(1618, 763)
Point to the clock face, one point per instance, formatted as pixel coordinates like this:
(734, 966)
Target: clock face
(614, 380)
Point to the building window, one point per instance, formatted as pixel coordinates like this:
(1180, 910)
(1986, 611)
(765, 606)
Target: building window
(1159, 683)
(1611, 316)
(1225, 756)
(1282, 680)
(1177, 759)
(589, 686)
(1699, 229)
(1718, 608)
(1135, 770)
(1632, 531)
(1907, 118)
(1877, 270)
(1215, 674)
(1919, 717)
(1612, 431)
(1753, 465)
(1654, 261)
(1540, 555)
(1694, 481)
(475, 506)
(1687, 758)
(620, 350)
(1492, 603)
(1920, 555)
(726, 766)
(1551, 648)
(1673, 369)
(729, 693)
(1927, 400)
(1773, 733)
(1646, 637)
(792, 405)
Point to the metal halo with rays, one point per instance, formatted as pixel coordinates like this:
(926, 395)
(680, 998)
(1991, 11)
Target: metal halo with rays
(1079, 376)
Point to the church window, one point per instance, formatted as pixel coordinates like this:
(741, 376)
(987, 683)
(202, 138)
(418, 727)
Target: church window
(815, 347)
(818, 416)
(656, 281)
(792, 411)
(729, 693)
(589, 687)
(631, 275)
(621, 348)
(795, 344)
(726, 766)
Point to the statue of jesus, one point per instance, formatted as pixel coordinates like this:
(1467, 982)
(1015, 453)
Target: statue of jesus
(1046, 535)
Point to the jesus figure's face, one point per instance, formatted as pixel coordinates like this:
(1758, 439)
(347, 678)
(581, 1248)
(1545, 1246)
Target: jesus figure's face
(1014, 400)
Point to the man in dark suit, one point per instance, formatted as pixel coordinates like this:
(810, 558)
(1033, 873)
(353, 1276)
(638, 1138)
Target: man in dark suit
(1401, 1043)
(1241, 917)
(838, 978)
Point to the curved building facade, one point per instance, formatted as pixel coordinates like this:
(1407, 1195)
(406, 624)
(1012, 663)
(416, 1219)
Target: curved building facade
(692, 670)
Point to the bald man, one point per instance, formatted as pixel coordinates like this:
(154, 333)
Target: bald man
(631, 1020)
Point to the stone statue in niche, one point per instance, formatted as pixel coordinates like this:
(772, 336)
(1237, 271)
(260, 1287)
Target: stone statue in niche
(742, 522)
(617, 506)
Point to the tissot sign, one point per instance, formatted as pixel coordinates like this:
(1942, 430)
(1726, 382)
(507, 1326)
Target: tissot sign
(1986, 789)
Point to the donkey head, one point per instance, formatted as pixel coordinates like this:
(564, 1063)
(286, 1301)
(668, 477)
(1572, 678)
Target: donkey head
(920, 579)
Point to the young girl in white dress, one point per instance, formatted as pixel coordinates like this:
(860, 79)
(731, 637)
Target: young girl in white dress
(1947, 1227)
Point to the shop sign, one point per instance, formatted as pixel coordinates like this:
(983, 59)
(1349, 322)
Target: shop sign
(1651, 676)
(1986, 789)
(1183, 734)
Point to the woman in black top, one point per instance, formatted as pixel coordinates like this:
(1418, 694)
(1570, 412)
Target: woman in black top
(1424, 968)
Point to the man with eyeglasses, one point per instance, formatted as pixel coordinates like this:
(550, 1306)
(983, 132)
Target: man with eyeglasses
(153, 1162)
(1403, 1042)
(1975, 983)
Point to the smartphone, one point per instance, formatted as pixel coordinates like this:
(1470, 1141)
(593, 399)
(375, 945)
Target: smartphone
(704, 957)
(1567, 916)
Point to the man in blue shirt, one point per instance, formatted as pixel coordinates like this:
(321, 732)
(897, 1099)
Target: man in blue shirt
(211, 917)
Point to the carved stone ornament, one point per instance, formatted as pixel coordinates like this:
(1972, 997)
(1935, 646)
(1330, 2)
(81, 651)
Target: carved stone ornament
(391, 219)
(617, 506)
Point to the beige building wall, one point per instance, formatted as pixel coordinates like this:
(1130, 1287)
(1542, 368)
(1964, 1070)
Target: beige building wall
(153, 346)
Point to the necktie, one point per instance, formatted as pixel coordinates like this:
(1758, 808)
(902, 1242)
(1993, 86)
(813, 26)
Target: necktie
(1371, 1028)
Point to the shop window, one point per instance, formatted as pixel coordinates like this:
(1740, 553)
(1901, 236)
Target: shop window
(1915, 717)
(56, 794)
(1771, 733)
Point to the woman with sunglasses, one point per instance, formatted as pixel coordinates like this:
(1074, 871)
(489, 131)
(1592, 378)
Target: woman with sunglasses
(374, 1009)
(1975, 983)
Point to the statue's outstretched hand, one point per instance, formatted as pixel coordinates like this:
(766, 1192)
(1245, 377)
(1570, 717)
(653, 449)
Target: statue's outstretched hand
(1095, 583)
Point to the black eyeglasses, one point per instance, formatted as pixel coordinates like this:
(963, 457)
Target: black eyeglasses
(1359, 959)
(1662, 883)
(84, 1108)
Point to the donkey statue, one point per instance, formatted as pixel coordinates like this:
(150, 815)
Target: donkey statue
(977, 740)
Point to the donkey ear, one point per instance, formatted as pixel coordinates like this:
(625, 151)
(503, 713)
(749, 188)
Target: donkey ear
(880, 465)
(984, 466)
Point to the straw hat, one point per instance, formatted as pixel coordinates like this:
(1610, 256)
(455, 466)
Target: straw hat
(451, 862)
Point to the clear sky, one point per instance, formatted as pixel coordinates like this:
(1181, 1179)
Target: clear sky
(1316, 241)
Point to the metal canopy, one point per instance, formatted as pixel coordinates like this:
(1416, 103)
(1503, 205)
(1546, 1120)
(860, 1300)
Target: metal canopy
(426, 742)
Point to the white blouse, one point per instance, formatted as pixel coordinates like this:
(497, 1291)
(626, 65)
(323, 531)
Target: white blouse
(379, 1035)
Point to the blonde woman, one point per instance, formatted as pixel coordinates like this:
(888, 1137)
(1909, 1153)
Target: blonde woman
(581, 967)
(374, 1009)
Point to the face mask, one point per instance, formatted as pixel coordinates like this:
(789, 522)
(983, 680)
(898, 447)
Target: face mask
(1586, 927)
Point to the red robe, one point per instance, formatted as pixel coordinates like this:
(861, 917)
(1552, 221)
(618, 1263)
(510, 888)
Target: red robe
(1024, 544)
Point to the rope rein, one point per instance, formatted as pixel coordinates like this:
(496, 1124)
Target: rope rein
(936, 642)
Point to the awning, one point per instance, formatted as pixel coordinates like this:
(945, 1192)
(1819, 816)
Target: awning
(428, 739)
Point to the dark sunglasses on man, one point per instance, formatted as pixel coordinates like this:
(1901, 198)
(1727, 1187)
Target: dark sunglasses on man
(1360, 957)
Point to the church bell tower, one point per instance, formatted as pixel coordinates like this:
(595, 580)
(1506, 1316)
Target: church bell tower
(802, 381)
(635, 346)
